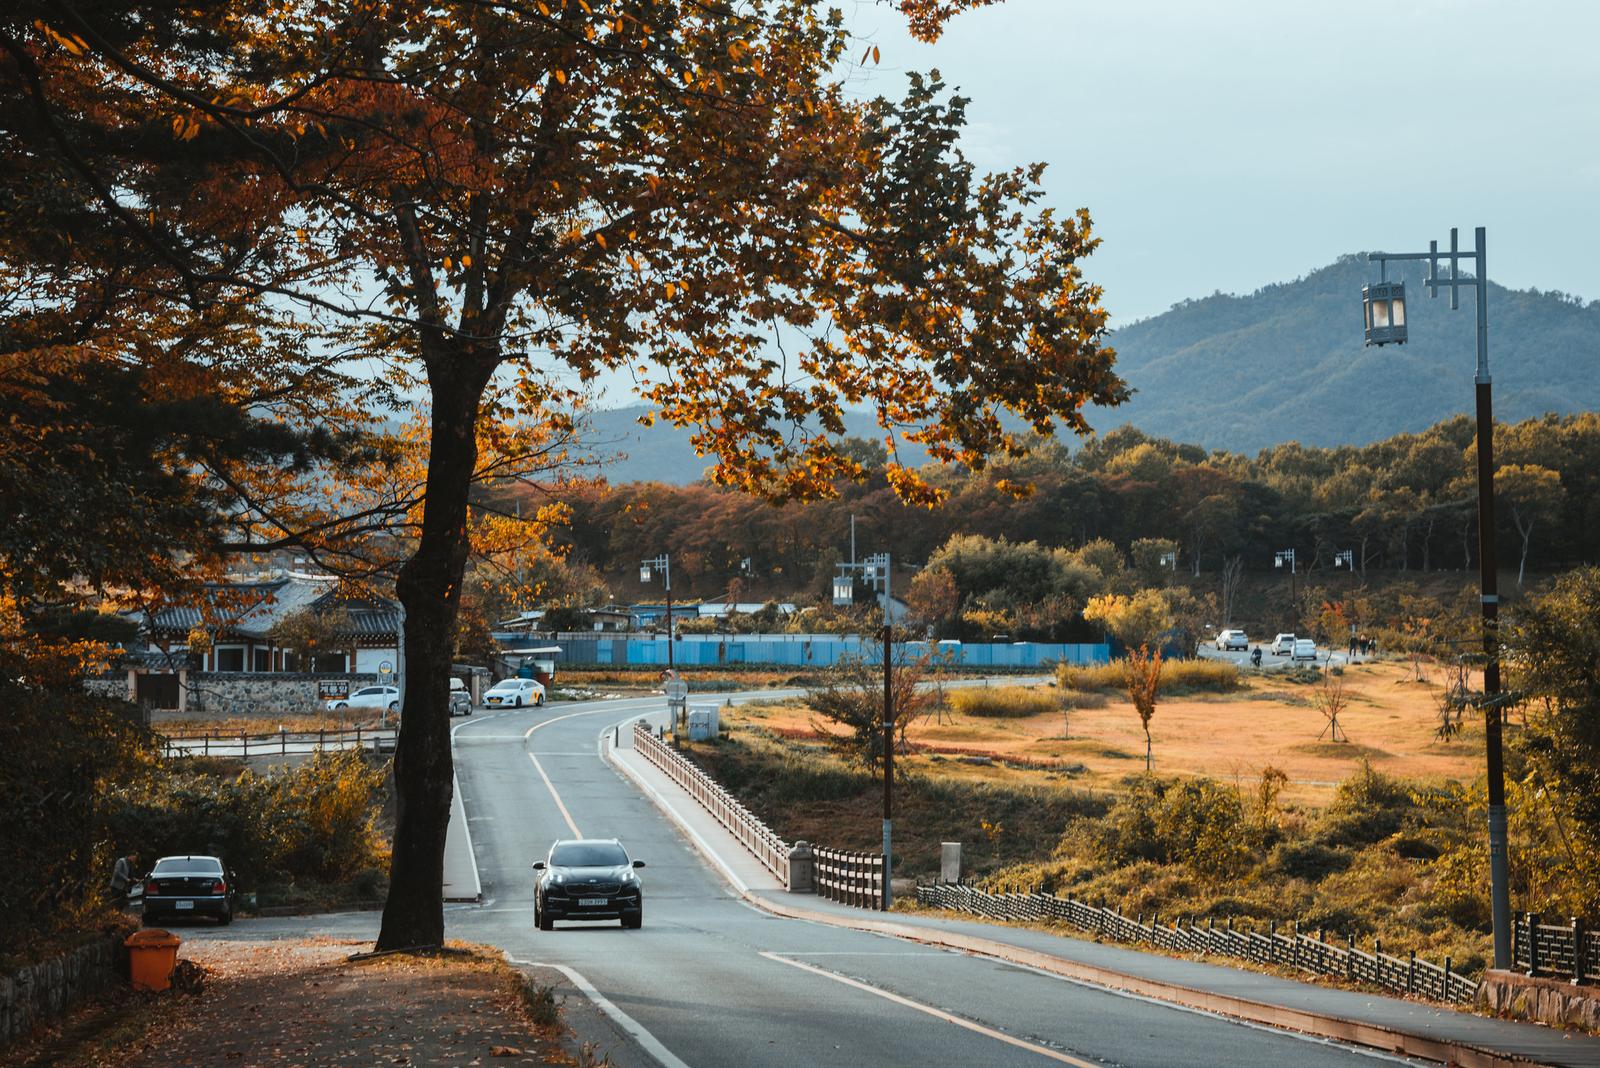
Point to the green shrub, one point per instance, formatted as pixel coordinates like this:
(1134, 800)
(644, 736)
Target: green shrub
(1367, 808)
(314, 822)
(1008, 702)
(1309, 860)
(1197, 822)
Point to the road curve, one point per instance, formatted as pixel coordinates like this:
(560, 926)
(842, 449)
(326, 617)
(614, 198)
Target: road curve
(713, 982)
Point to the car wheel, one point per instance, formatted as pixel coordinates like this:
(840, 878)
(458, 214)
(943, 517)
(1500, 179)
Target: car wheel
(542, 919)
(517, 703)
(394, 706)
(148, 920)
(634, 922)
(225, 918)
(539, 700)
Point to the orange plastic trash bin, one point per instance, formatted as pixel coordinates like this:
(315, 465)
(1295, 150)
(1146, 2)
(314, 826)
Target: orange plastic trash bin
(152, 955)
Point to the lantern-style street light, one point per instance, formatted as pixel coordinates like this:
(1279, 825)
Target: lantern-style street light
(1489, 599)
(1384, 307)
(663, 564)
(1280, 558)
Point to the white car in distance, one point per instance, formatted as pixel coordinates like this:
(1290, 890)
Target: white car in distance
(1232, 639)
(1282, 645)
(514, 693)
(386, 698)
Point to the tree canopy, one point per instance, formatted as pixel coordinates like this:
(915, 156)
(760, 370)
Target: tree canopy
(483, 202)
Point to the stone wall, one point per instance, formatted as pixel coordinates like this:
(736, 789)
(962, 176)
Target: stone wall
(226, 694)
(1557, 1002)
(35, 993)
(108, 686)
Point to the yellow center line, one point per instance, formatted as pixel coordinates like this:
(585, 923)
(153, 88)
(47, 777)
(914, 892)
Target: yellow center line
(988, 1032)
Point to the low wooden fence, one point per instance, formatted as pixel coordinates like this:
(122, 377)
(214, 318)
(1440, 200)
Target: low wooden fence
(849, 877)
(1562, 951)
(1405, 975)
(754, 835)
(269, 743)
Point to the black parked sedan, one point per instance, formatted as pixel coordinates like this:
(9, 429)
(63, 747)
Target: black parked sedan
(180, 887)
(588, 879)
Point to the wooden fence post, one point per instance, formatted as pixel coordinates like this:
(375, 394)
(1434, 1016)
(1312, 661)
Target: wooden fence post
(1411, 974)
(1532, 920)
(1577, 949)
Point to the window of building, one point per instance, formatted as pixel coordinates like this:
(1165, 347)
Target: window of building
(229, 658)
(328, 662)
(262, 659)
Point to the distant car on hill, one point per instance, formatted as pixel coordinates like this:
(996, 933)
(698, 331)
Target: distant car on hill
(1232, 639)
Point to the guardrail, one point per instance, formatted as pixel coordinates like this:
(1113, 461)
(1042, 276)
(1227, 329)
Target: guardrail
(1562, 951)
(754, 835)
(850, 878)
(1405, 975)
(267, 743)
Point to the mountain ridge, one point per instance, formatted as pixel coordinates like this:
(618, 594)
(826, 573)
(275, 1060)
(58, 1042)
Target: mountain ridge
(1243, 372)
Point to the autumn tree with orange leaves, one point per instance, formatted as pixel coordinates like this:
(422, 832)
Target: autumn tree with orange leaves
(489, 198)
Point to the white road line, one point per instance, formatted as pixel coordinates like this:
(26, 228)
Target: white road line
(634, 1029)
(938, 1014)
(559, 803)
(528, 735)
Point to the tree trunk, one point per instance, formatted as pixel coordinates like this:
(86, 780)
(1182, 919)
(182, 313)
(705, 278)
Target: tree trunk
(1527, 536)
(429, 587)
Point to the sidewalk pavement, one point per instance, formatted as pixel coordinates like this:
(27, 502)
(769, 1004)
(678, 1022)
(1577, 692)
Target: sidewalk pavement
(460, 866)
(1418, 1027)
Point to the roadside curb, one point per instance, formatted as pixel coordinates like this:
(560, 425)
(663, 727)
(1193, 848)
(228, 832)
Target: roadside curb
(1337, 1028)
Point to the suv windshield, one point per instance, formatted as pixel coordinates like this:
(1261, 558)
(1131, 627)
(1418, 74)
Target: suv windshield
(588, 855)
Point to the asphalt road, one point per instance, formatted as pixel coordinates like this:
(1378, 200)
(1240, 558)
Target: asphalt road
(711, 981)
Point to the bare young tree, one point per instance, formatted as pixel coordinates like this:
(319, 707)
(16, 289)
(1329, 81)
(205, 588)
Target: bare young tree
(1330, 699)
(1143, 680)
(1232, 578)
(851, 696)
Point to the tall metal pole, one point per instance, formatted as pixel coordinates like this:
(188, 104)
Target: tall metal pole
(888, 763)
(666, 573)
(1499, 892)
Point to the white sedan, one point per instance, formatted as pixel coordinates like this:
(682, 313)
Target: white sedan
(514, 693)
(384, 697)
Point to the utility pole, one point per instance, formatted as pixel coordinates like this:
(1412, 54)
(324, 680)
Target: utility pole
(1384, 310)
(888, 763)
(1287, 555)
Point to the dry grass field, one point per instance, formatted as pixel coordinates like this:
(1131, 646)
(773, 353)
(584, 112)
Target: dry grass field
(1390, 720)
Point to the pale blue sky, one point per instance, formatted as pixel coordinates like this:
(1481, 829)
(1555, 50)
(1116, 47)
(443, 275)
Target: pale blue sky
(1227, 144)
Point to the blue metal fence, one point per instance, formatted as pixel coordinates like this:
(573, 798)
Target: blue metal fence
(822, 651)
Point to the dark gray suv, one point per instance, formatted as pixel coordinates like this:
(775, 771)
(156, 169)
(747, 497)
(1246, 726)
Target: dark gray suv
(588, 879)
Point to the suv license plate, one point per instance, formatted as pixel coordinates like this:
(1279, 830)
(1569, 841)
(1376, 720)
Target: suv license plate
(184, 905)
(588, 902)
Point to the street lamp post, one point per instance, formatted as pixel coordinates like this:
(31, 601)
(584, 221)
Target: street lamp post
(1287, 556)
(1381, 306)
(663, 564)
(876, 569)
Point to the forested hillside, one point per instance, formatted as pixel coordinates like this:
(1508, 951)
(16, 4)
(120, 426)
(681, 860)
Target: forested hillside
(1285, 363)
(1406, 503)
